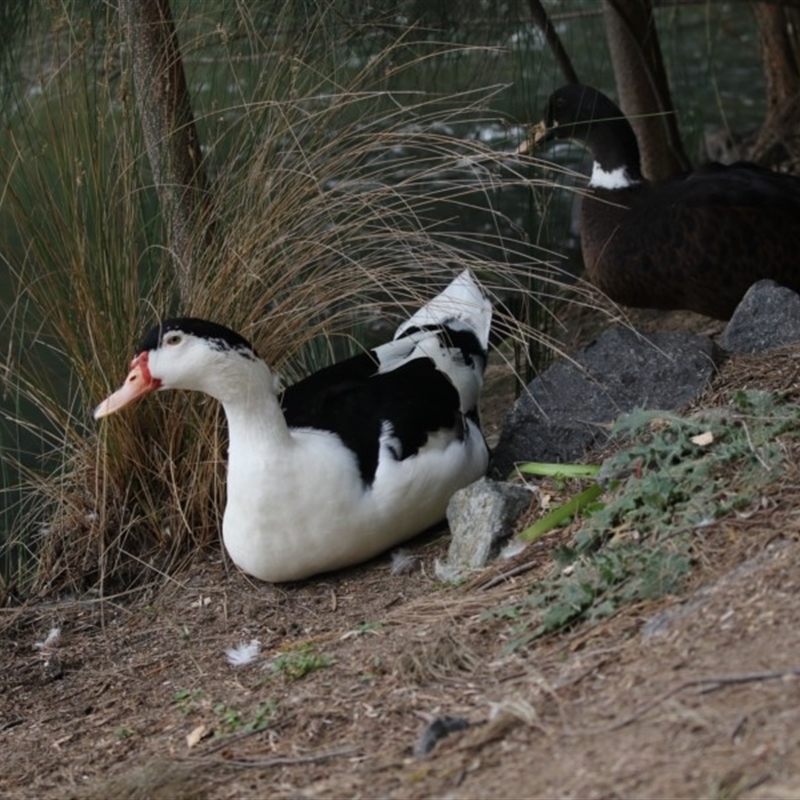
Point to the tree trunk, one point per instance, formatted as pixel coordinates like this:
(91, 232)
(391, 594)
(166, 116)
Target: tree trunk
(643, 87)
(169, 130)
(780, 50)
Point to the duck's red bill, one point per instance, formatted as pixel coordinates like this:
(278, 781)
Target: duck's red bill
(138, 383)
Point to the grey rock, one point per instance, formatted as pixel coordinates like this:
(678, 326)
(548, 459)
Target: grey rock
(767, 317)
(568, 410)
(481, 518)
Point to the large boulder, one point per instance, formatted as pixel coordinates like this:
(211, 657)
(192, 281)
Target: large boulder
(569, 409)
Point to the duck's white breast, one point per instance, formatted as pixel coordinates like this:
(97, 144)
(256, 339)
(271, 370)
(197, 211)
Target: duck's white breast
(309, 511)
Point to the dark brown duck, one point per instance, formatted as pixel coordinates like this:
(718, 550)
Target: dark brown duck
(696, 241)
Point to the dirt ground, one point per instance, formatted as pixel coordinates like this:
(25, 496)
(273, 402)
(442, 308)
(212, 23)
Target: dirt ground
(695, 695)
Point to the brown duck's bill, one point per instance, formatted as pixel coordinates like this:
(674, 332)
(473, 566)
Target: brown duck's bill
(538, 133)
(138, 383)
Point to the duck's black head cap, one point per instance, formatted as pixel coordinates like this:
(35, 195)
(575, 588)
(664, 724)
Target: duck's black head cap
(584, 114)
(572, 109)
(218, 335)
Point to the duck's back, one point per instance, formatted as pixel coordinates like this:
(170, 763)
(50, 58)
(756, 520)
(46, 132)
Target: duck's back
(698, 241)
(354, 401)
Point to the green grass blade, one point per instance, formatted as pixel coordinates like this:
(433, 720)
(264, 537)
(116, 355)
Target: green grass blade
(549, 470)
(560, 514)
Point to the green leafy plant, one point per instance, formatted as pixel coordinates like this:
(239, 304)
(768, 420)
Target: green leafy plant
(366, 627)
(596, 586)
(122, 732)
(233, 720)
(681, 473)
(299, 661)
(672, 477)
(187, 700)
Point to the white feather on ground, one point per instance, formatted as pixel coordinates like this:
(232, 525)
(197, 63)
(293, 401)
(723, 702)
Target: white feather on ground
(51, 640)
(244, 653)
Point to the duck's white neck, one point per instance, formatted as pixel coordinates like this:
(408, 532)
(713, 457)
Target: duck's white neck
(248, 393)
(618, 178)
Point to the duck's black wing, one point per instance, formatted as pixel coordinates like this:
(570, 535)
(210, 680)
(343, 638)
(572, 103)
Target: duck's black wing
(355, 401)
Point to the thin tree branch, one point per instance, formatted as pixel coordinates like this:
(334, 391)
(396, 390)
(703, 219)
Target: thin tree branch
(542, 21)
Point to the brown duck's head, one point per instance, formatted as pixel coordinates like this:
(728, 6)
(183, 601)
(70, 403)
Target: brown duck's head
(586, 115)
(572, 111)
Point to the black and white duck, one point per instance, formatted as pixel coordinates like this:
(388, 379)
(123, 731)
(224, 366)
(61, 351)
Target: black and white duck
(349, 461)
(696, 241)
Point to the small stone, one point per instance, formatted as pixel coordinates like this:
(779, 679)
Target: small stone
(436, 730)
(481, 518)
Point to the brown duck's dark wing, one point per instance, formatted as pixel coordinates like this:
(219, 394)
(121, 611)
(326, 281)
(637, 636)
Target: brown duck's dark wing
(740, 184)
(697, 242)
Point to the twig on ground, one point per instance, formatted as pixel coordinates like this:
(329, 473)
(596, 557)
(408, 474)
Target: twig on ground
(277, 761)
(753, 447)
(511, 573)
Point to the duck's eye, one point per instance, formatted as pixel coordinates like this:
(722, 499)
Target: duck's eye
(172, 339)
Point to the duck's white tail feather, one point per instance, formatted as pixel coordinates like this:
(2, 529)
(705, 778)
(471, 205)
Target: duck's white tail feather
(463, 300)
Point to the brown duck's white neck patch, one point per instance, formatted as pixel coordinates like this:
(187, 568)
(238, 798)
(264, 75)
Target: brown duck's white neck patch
(618, 178)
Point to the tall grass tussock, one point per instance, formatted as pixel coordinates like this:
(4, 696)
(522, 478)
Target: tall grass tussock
(339, 202)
